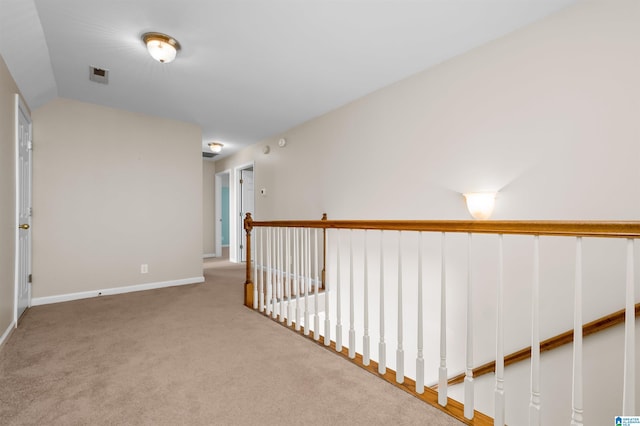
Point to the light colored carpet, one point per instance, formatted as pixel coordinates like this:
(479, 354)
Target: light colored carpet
(189, 355)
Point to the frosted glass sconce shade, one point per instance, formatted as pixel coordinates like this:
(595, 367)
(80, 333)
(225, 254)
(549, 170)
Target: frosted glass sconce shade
(480, 204)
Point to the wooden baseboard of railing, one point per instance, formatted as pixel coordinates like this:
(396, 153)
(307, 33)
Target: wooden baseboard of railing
(549, 344)
(453, 408)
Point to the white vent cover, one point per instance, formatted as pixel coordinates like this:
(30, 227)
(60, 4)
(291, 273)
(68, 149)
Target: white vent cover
(99, 75)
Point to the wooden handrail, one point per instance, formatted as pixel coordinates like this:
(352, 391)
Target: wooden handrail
(547, 345)
(616, 229)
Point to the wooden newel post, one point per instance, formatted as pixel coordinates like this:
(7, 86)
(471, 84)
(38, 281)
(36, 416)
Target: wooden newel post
(324, 252)
(248, 283)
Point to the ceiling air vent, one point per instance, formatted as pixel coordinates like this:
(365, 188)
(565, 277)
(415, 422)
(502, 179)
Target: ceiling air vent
(206, 154)
(99, 75)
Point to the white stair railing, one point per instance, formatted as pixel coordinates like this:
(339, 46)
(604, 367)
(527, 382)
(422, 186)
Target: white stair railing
(499, 390)
(316, 287)
(400, 350)
(382, 345)
(468, 379)
(366, 340)
(629, 395)
(352, 302)
(534, 400)
(420, 355)
(288, 265)
(442, 370)
(576, 399)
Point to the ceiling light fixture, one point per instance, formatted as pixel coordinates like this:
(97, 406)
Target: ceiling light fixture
(215, 147)
(161, 47)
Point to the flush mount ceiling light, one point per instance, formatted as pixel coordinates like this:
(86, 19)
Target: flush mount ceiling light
(215, 147)
(161, 47)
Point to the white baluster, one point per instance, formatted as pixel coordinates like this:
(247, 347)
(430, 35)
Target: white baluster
(352, 330)
(306, 277)
(296, 273)
(576, 413)
(420, 357)
(366, 339)
(255, 269)
(499, 390)
(628, 394)
(316, 317)
(281, 272)
(269, 272)
(468, 379)
(274, 293)
(327, 297)
(262, 269)
(534, 401)
(442, 371)
(338, 299)
(288, 275)
(382, 345)
(276, 272)
(400, 350)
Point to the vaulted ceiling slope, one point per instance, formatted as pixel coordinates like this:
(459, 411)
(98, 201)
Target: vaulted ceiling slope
(247, 69)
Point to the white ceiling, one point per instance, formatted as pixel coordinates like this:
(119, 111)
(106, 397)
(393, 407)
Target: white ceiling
(248, 70)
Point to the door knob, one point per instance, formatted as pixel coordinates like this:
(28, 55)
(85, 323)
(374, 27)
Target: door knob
(24, 226)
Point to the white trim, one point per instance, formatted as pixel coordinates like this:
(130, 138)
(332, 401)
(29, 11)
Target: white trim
(209, 255)
(16, 239)
(235, 222)
(36, 301)
(7, 333)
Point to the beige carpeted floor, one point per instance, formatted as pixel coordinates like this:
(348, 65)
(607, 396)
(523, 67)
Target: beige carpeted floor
(189, 355)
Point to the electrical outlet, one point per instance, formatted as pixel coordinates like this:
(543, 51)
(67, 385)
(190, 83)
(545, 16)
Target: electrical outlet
(144, 268)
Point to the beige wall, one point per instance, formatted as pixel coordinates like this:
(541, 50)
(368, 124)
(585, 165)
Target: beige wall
(547, 115)
(8, 89)
(113, 190)
(208, 204)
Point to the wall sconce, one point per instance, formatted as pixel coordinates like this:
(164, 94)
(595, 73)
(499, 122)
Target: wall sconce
(480, 204)
(215, 147)
(161, 47)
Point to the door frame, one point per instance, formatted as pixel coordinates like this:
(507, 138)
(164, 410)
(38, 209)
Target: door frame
(21, 108)
(235, 223)
(218, 210)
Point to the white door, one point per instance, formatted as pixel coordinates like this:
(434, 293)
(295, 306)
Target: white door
(246, 206)
(23, 201)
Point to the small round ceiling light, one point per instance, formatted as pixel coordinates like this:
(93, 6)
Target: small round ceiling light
(161, 47)
(216, 147)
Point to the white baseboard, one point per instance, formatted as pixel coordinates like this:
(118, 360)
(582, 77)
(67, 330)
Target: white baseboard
(208, 255)
(7, 333)
(36, 301)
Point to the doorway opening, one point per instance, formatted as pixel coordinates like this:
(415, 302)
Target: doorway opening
(222, 214)
(245, 203)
